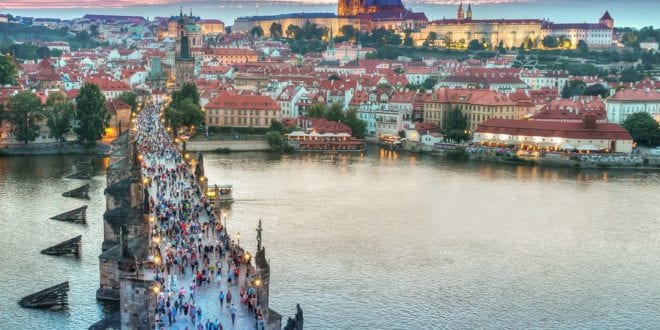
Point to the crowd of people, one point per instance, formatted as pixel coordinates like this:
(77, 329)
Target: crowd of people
(189, 244)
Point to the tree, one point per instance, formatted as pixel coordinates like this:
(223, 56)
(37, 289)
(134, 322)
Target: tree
(25, 112)
(349, 32)
(43, 52)
(91, 114)
(630, 39)
(408, 40)
(454, 120)
(430, 39)
(597, 89)
(643, 128)
(399, 70)
(459, 135)
(358, 126)
(129, 98)
(550, 42)
(574, 87)
(184, 114)
(500, 47)
(429, 83)
(582, 46)
(8, 71)
(228, 29)
(317, 110)
(276, 126)
(188, 90)
(564, 42)
(335, 112)
(275, 140)
(294, 32)
(275, 30)
(257, 31)
(475, 45)
(59, 111)
(94, 30)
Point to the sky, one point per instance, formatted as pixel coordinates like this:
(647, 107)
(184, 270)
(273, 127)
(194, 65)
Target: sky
(636, 13)
(43, 4)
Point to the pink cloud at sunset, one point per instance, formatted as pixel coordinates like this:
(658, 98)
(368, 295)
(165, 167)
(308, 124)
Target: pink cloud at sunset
(58, 4)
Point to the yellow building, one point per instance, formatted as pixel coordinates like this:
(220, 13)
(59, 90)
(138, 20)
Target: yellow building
(477, 105)
(211, 26)
(455, 33)
(328, 20)
(228, 109)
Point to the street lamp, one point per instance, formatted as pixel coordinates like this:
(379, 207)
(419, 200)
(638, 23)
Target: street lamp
(238, 238)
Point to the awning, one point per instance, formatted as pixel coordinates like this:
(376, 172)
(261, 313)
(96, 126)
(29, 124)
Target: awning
(567, 146)
(588, 147)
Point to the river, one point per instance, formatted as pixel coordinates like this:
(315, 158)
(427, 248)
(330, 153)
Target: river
(382, 241)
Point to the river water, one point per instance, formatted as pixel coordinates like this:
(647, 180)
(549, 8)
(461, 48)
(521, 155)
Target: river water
(382, 241)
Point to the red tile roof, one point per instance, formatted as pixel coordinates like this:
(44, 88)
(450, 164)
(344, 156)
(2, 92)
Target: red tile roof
(571, 130)
(232, 101)
(636, 95)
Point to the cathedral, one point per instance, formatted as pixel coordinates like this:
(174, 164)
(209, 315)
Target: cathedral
(458, 32)
(355, 7)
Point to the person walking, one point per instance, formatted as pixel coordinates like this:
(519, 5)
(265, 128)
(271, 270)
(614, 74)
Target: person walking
(232, 312)
(228, 298)
(221, 296)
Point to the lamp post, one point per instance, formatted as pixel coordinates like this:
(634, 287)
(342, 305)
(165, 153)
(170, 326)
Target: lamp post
(238, 238)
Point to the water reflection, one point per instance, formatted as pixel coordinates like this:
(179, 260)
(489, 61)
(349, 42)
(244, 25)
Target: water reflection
(363, 235)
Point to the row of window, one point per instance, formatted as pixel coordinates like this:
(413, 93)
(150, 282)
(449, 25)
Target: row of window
(225, 112)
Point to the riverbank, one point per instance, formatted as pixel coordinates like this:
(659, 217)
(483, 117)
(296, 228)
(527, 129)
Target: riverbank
(586, 161)
(227, 145)
(66, 148)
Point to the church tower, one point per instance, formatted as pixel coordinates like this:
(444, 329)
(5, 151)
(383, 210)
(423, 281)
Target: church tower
(184, 63)
(460, 15)
(468, 13)
(607, 20)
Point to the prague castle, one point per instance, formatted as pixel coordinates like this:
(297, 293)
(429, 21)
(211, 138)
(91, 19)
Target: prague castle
(368, 15)
(458, 32)
(364, 15)
(355, 7)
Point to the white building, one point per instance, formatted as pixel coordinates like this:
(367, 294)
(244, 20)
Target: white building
(628, 101)
(537, 79)
(288, 100)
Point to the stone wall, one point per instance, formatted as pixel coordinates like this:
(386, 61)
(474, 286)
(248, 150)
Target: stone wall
(137, 303)
(228, 145)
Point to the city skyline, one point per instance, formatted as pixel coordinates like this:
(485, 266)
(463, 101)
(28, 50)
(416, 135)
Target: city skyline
(42, 4)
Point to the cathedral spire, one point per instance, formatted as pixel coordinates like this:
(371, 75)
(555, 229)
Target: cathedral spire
(468, 13)
(460, 15)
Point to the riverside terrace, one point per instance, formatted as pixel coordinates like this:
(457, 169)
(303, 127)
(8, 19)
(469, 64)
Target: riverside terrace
(176, 285)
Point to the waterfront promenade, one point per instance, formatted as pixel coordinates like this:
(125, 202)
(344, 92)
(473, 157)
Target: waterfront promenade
(193, 258)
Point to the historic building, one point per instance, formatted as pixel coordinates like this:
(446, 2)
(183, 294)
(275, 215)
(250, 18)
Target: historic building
(557, 135)
(628, 101)
(228, 109)
(458, 32)
(188, 40)
(476, 105)
(363, 15)
(355, 7)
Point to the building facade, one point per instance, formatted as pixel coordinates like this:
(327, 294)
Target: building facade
(228, 109)
(628, 101)
(587, 135)
(457, 33)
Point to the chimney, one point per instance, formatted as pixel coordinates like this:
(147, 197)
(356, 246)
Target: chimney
(589, 120)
